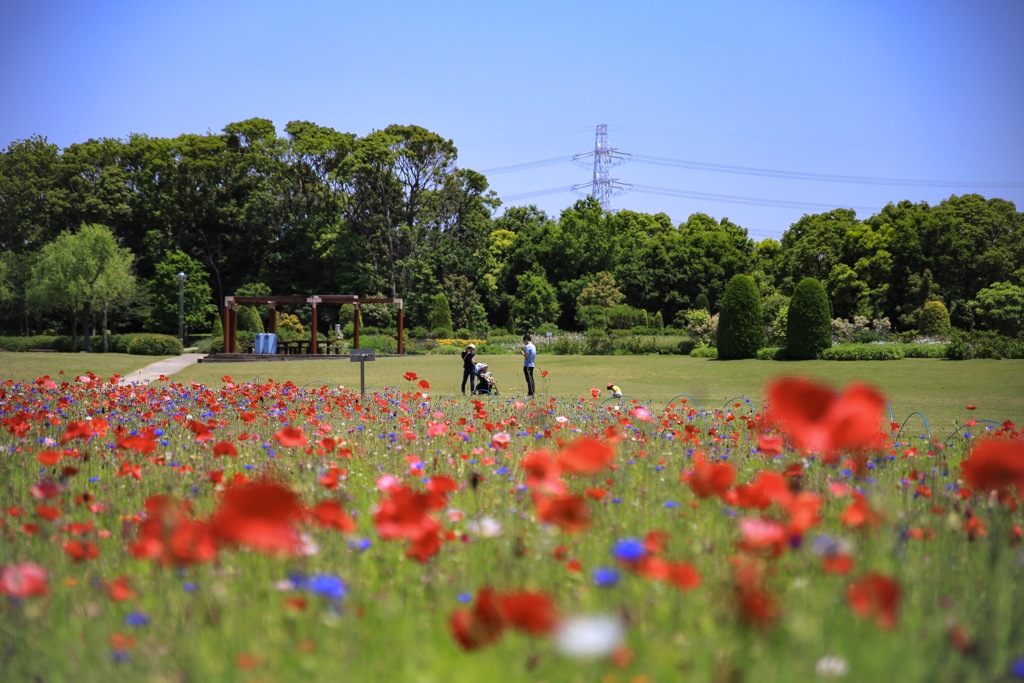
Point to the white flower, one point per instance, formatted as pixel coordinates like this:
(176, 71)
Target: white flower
(485, 527)
(589, 636)
(831, 666)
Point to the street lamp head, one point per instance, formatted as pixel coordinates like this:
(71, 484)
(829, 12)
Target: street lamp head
(181, 277)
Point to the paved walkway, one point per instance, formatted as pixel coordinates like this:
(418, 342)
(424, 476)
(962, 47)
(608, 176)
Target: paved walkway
(168, 367)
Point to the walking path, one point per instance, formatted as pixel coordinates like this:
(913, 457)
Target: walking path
(168, 366)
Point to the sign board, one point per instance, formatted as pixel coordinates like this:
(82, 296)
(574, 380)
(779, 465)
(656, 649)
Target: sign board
(361, 355)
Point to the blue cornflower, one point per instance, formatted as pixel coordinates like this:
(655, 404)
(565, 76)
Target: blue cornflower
(605, 577)
(628, 549)
(360, 544)
(136, 619)
(328, 586)
(1017, 668)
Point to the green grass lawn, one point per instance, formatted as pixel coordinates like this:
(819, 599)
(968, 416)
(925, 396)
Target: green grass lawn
(29, 366)
(938, 389)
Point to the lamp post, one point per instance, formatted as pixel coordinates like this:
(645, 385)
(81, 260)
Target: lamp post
(181, 307)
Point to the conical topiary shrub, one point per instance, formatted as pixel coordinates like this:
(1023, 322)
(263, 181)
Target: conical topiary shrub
(809, 326)
(741, 321)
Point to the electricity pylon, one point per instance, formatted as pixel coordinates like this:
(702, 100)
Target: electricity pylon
(603, 187)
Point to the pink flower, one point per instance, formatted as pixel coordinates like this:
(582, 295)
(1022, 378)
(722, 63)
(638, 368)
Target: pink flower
(23, 580)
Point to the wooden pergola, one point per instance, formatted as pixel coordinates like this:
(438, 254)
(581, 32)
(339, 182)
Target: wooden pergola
(231, 304)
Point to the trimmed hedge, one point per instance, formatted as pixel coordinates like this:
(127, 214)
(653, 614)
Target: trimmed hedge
(704, 352)
(923, 350)
(863, 352)
(143, 344)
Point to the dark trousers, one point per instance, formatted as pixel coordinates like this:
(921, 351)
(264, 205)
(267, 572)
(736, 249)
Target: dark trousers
(530, 387)
(471, 376)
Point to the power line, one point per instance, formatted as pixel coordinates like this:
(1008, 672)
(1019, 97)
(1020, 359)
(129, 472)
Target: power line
(818, 177)
(526, 165)
(737, 199)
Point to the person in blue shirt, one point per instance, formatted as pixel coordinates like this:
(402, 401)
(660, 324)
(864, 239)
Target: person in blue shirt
(529, 352)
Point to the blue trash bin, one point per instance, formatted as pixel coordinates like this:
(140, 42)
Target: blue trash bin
(258, 343)
(270, 343)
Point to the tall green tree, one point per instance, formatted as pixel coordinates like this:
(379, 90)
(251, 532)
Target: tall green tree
(200, 306)
(812, 245)
(535, 302)
(77, 271)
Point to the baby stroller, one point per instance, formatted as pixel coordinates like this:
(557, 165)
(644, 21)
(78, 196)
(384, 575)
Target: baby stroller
(485, 382)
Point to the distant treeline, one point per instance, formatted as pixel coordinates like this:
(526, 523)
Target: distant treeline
(393, 214)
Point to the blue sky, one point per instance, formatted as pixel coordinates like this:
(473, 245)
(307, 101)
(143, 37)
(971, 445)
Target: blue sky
(910, 90)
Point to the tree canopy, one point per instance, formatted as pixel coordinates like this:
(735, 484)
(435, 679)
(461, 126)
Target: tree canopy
(393, 213)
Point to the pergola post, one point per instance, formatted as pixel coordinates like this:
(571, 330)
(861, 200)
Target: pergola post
(227, 322)
(355, 326)
(401, 328)
(313, 301)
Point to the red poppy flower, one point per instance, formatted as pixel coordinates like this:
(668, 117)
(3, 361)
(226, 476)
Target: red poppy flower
(566, 511)
(23, 580)
(769, 445)
(543, 472)
(837, 564)
(129, 470)
(49, 457)
(290, 437)
(167, 534)
(876, 597)
(424, 384)
(767, 488)
(585, 456)
(819, 421)
(763, 535)
(410, 376)
(225, 448)
(683, 575)
(405, 514)
(709, 479)
(139, 443)
(426, 545)
(329, 514)
(201, 431)
(480, 626)
(47, 512)
(80, 551)
(120, 589)
(45, 489)
(77, 430)
(259, 515)
(755, 605)
(859, 514)
(533, 613)
(595, 393)
(995, 464)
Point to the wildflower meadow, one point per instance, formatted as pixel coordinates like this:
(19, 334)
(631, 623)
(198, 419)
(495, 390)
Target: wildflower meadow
(266, 531)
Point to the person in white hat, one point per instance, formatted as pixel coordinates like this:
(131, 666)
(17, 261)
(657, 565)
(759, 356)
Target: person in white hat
(469, 368)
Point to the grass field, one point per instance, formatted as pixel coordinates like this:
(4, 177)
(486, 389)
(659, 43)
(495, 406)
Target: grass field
(274, 527)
